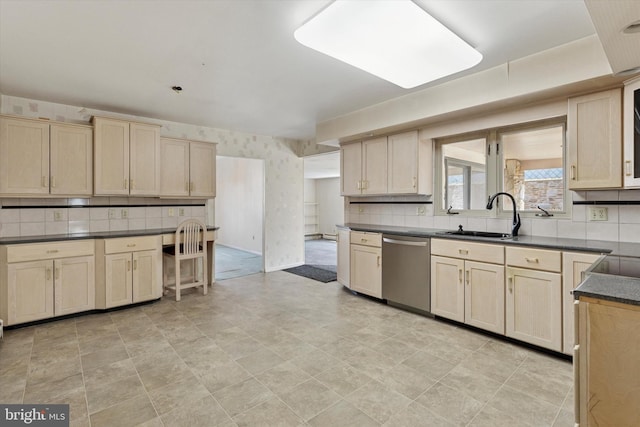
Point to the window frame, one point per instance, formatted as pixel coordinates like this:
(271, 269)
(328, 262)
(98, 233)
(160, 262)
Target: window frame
(495, 170)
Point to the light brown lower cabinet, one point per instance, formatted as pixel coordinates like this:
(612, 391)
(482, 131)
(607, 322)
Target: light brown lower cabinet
(344, 249)
(129, 270)
(607, 384)
(366, 263)
(44, 280)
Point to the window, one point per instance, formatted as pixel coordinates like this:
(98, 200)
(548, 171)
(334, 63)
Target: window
(526, 161)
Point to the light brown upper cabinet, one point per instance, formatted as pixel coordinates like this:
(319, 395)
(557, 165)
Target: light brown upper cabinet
(631, 113)
(127, 158)
(397, 164)
(188, 168)
(39, 158)
(595, 140)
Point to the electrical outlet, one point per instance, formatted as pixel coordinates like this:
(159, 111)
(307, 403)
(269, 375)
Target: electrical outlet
(112, 213)
(124, 213)
(57, 215)
(171, 213)
(421, 211)
(180, 211)
(598, 213)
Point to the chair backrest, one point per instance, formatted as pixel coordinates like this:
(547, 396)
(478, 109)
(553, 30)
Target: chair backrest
(190, 236)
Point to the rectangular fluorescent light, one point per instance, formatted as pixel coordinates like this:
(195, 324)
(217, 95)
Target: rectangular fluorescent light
(395, 40)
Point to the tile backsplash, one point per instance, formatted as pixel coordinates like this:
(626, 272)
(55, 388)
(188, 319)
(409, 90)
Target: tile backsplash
(622, 224)
(25, 217)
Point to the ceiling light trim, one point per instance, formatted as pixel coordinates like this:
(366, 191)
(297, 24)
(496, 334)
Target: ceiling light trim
(395, 40)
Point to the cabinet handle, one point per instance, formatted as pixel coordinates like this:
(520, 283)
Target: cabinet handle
(378, 260)
(466, 276)
(131, 184)
(460, 275)
(463, 251)
(363, 240)
(135, 264)
(125, 183)
(627, 168)
(186, 186)
(128, 265)
(532, 260)
(415, 182)
(44, 181)
(192, 186)
(52, 251)
(48, 274)
(510, 283)
(573, 172)
(53, 181)
(57, 274)
(131, 245)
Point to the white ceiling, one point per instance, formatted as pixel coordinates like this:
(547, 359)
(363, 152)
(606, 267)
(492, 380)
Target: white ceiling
(322, 166)
(237, 61)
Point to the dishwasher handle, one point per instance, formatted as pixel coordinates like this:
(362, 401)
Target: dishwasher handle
(404, 242)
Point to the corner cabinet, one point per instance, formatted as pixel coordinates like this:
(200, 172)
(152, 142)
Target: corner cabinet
(188, 168)
(129, 270)
(40, 158)
(127, 158)
(595, 140)
(366, 263)
(42, 280)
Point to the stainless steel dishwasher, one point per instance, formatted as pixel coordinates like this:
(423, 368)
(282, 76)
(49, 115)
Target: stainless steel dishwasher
(406, 274)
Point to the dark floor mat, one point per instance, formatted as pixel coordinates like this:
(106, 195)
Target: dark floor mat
(323, 275)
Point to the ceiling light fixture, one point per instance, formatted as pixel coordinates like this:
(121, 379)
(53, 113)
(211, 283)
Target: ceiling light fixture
(395, 40)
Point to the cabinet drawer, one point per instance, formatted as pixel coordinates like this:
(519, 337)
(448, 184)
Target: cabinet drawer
(468, 250)
(537, 259)
(49, 250)
(366, 239)
(131, 244)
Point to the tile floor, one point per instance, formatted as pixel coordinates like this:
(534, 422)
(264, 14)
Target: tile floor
(277, 349)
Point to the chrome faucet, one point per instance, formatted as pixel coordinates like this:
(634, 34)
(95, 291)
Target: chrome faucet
(516, 216)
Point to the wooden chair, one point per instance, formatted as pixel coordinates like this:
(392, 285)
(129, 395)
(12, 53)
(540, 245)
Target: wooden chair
(190, 246)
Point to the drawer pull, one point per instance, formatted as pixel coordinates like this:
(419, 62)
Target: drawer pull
(532, 260)
(363, 240)
(131, 245)
(463, 251)
(52, 251)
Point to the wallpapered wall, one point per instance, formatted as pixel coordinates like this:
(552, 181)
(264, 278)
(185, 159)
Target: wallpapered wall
(284, 230)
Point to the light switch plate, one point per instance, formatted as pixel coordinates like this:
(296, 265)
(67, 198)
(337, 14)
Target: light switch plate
(598, 213)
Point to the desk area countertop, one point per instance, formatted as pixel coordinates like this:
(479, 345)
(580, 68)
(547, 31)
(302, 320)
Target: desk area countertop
(96, 235)
(612, 278)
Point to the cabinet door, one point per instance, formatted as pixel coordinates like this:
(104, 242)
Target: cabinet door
(24, 157)
(447, 288)
(111, 157)
(30, 291)
(374, 167)
(174, 173)
(366, 270)
(344, 249)
(484, 296)
(118, 280)
(573, 265)
(534, 307)
(202, 170)
(74, 285)
(631, 134)
(351, 169)
(402, 161)
(71, 160)
(144, 163)
(146, 280)
(595, 140)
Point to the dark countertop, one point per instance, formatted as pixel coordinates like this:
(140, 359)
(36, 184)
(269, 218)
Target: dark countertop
(97, 235)
(579, 245)
(625, 290)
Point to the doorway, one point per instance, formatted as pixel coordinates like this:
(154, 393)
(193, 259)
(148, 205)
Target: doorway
(239, 212)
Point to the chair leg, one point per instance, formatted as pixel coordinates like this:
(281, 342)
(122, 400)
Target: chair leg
(205, 282)
(178, 279)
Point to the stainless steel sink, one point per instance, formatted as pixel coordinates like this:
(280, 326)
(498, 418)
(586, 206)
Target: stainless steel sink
(489, 234)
